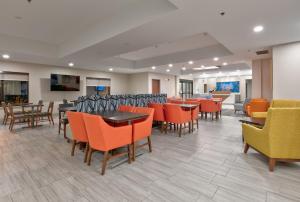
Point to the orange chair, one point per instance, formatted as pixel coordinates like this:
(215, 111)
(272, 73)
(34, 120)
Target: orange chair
(142, 129)
(257, 105)
(210, 106)
(78, 131)
(159, 114)
(125, 108)
(175, 114)
(195, 113)
(103, 137)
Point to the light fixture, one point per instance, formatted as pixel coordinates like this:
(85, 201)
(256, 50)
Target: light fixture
(258, 28)
(71, 64)
(205, 68)
(167, 70)
(5, 56)
(191, 74)
(183, 68)
(216, 59)
(225, 63)
(153, 67)
(202, 66)
(110, 69)
(191, 62)
(170, 65)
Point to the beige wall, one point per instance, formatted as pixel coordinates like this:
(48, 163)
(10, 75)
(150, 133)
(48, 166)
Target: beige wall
(286, 71)
(262, 79)
(167, 83)
(138, 83)
(39, 81)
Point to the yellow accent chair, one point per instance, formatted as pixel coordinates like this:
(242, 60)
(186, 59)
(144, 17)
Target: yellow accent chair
(277, 104)
(279, 139)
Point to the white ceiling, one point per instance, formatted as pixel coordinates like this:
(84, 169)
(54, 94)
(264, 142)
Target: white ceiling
(133, 35)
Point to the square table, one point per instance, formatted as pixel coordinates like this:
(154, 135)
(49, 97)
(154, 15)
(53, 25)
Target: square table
(116, 117)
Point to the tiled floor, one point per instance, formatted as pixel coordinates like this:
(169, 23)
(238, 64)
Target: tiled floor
(35, 165)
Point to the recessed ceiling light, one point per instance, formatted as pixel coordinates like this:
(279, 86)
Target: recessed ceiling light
(191, 62)
(5, 56)
(183, 68)
(216, 58)
(225, 63)
(110, 69)
(191, 74)
(205, 68)
(71, 64)
(167, 70)
(202, 66)
(258, 28)
(170, 65)
(153, 67)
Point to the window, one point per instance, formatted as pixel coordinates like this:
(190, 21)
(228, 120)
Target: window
(186, 88)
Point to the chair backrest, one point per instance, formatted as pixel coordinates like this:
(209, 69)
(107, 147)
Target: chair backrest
(4, 106)
(209, 106)
(65, 101)
(257, 106)
(285, 103)
(77, 126)
(159, 114)
(195, 111)
(10, 110)
(126, 108)
(175, 114)
(50, 107)
(146, 129)
(283, 128)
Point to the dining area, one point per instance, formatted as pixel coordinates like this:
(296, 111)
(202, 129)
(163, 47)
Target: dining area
(30, 114)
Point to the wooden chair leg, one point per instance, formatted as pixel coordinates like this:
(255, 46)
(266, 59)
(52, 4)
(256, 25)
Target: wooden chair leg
(73, 147)
(89, 156)
(52, 119)
(86, 152)
(197, 123)
(246, 148)
(65, 131)
(133, 151)
(129, 153)
(272, 163)
(149, 144)
(59, 126)
(180, 130)
(104, 162)
(166, 127)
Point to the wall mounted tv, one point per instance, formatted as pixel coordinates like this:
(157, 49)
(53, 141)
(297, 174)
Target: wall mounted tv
(59, 82)
(232, 86)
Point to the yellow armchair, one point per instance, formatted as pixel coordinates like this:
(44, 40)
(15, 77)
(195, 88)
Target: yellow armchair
(279, 139)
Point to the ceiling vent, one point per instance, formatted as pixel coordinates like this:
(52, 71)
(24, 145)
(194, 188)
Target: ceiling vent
(263, 52)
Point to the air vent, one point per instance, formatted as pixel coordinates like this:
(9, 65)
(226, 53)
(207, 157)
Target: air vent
(263, 52)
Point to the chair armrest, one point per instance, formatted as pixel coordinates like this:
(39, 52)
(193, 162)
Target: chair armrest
(119, 136)
(256, 137)
(142, 129)
(259, 114)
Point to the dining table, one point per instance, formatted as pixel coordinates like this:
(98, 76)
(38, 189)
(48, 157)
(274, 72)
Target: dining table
(33, 113)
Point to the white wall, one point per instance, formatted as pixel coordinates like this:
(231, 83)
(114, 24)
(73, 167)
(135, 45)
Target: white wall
(138, 83)
(286, 71)
(39, 81)
(167, 83)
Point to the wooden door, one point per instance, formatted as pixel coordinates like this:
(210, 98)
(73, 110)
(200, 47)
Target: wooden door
(155, 86)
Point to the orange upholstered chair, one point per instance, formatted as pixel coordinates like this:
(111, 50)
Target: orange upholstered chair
(79, 134)
(142, 129)
(103, 137)
(175, 114)
(126, 108)
(257, 105)
(195, 113)
(210, 106)
(159, 114)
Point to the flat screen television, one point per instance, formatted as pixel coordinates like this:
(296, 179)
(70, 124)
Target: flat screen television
(100, 88)
(61, 82)
(232, 86)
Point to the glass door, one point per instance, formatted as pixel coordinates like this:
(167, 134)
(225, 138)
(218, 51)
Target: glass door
(186, 88)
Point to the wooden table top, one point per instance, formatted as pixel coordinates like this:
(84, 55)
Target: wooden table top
(254, 121)
(64, 109)
(121, 117)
